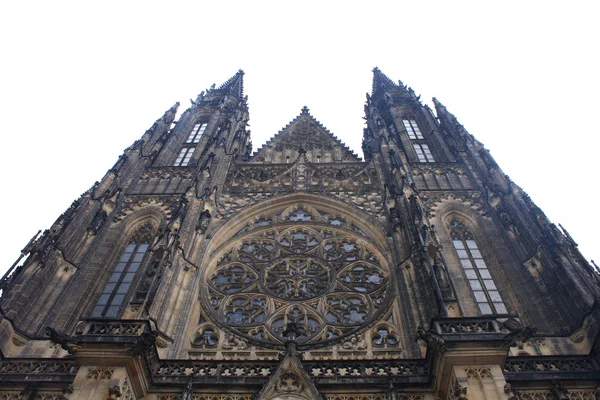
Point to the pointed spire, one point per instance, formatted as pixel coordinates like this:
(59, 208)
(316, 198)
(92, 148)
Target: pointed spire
(380, 79)
(234, 85)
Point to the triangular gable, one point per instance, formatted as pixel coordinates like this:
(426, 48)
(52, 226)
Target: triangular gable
(290, 380)
(306, 133)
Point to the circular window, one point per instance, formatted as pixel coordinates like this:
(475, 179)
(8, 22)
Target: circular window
(297, 278)
(303, 267)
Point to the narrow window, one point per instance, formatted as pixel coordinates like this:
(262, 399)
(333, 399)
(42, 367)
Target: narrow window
(423, 152)
(481, 282)
(115, 291)
(412, 129)
(196, 133)
(287, 159)
(318, 158)
(184, 157)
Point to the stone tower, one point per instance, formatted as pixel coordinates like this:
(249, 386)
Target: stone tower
(196, 269)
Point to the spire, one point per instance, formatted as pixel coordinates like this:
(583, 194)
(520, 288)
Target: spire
(234, 85)
(380, 79)
(384, 89)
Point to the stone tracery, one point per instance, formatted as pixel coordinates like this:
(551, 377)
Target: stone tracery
(297, 265)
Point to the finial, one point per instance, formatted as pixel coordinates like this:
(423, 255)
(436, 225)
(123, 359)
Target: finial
(305, 110)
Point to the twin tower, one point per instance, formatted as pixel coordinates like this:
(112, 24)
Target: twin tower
(197, 269)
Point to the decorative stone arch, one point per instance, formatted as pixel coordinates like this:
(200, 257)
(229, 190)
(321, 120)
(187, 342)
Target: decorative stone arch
(229, 227)
(300, 258)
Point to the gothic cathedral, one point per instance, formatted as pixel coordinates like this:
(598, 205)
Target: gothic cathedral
(197, 269)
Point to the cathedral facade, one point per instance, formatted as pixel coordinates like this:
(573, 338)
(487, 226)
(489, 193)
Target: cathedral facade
(197, 269)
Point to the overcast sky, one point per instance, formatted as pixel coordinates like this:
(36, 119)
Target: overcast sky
(80, 81)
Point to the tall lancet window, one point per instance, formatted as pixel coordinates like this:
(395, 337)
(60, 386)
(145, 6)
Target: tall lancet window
(481, 282)
(418, 141)
(115, 291)
(196, 133)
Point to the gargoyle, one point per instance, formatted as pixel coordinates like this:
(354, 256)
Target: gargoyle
(518, 335)
(66, 342)
(434, 340)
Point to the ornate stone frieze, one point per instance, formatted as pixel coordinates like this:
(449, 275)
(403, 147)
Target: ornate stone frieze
(167, 173)
(132, 203)
(470, 198)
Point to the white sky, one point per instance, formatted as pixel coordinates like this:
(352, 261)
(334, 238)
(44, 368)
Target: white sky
(80, 81)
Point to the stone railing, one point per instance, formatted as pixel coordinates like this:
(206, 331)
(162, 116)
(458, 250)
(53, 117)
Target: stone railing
(468, 326)
(112, 328)
(531, 368)
(218, 370)
(369, 370)
(38, 370)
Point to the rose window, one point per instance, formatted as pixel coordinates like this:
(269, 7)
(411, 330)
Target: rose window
(305, 267)
(297, 277)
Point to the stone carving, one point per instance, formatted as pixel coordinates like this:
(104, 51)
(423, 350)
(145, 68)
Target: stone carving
(433, 339)
(307, 268)
(100, 373)
(65, 341)
(203, 221)
(355, 343)
(234, 343)
(289, 382)
(297, 278)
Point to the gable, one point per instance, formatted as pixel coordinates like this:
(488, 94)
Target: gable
(304, 134)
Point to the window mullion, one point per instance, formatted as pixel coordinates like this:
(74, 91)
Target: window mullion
(121, 278)
(479, 277)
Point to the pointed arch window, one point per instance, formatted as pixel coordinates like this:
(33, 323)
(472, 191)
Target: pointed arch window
(115, 291)
(412, 129)
(481, 282)
(414, 134)
(423, 152)
(184, 157)
(196, 133)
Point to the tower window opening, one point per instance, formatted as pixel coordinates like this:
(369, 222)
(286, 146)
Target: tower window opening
(318, 158)
(287, 159)
(481, 282)
(184, 157)
(412, 129)
(196, 133)
(423, 152)
(113, 296)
